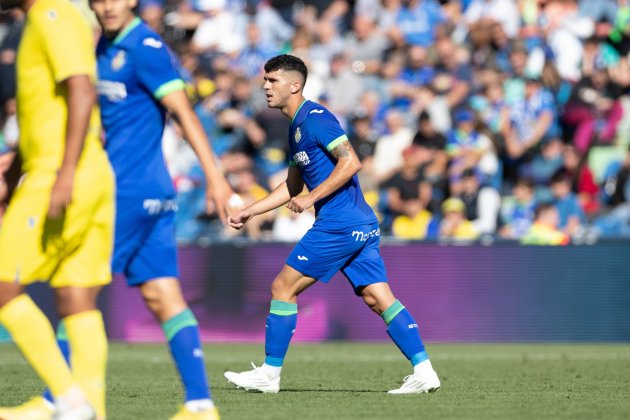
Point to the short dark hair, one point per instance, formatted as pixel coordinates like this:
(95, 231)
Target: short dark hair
(286, 62)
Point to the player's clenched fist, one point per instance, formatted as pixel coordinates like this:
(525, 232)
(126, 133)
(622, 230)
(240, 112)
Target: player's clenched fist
(300, 203)
(238, 219)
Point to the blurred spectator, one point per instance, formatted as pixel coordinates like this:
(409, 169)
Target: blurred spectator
(407, 197)
(454, 224)
(517, 212)
(544, 230)
(532, 119)
(411, 83)
(482, 203)
(483, 13)
(546, 163)
(416, 22)
(222, 31)
(266, 133)
(584, 184)
(363, 139)
(290, 226)
(388, 153)
(344, 87)
(565, 29)
(11, 24)
(433, 160)
(274, 30)
(256, 52)
(365, 46)
(617, 221)
(468, 148)
(451, 85)
(572, 217)
(593, 109)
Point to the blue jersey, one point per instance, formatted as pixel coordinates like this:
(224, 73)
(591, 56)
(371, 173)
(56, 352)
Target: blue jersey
(313, 133)
(135, 71)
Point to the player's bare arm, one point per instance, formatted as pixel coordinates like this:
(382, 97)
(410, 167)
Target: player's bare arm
(218, 189)
(81, 97)
(347, 166)
(278, 197)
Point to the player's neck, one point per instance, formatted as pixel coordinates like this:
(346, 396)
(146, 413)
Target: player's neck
(123, 29)
(292, 107)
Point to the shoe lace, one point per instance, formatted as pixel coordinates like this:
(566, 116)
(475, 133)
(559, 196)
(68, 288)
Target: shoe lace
(406, 379)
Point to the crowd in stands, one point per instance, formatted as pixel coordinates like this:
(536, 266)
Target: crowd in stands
(472, 118)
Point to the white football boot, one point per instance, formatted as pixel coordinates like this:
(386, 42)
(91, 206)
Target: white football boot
(423, 380)
(73, 406)
(254, 380)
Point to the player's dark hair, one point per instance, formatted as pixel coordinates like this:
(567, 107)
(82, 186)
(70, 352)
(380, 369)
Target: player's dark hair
(286, 62)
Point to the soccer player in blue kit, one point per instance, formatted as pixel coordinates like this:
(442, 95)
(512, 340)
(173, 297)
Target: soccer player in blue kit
(138, 85)
(345, 237)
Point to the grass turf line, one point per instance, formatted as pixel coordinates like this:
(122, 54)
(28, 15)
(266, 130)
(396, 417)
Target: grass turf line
(350, 380)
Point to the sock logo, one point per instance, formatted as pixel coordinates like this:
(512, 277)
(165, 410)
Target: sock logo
(412, 326)
(302, 258)
(198, 353)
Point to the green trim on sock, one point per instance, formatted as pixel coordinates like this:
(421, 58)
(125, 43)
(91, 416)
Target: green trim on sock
(61, 332)
(391, 312)
(279, 307)
(180, 321)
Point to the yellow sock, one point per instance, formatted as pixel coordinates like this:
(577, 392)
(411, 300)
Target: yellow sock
(88, 355)
(32, 333)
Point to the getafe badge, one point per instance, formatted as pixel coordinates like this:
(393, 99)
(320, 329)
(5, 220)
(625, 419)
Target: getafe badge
(119, 60)
(298, 135)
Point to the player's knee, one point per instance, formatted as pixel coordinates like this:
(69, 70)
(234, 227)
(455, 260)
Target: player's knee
(164, 302)
(370, 300)
(281, 290)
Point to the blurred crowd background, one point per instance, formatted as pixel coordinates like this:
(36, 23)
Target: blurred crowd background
(474, 119)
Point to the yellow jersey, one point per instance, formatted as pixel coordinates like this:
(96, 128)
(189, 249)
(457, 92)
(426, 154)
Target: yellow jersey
(57, 43)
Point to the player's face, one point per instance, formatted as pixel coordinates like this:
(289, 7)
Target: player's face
(113, 15)
(278, 86)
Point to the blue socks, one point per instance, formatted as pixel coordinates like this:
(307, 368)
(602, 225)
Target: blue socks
(280, 327)
(64, 346)
(403, 330)
(182, 333)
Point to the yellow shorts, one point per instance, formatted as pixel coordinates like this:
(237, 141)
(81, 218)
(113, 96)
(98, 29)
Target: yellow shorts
(74, 251)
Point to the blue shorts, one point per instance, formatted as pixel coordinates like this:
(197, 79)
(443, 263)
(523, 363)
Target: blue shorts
(353, 251)
(144, 246)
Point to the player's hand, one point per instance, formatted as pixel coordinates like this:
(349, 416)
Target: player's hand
(217, 197)
(61, 195)
(238, 219)
(300, 203)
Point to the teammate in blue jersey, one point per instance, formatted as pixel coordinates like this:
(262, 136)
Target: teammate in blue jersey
(138, 86)
(345, 236)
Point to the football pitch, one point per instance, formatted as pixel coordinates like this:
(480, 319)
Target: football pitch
(350, 380)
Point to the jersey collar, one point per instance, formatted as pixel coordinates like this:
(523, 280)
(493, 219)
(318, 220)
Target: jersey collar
(297, 111)
(132, 25)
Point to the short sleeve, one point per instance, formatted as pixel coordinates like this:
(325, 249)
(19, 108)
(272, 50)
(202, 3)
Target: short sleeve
(156, 68)
(68, 41)
(328, 131)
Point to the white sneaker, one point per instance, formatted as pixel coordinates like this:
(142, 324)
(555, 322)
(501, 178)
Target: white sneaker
(255, 380)
(419, 383)
(73, 406)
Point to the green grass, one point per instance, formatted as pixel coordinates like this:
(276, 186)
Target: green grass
(348, 381)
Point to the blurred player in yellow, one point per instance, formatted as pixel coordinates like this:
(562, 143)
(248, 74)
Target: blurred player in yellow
(59, 224)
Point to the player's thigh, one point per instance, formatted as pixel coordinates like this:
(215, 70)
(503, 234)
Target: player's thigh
(90, 232)
(27, 254)
(321, 253)
(133, 225)
(157, 256)
(367, 267)
(289, 283)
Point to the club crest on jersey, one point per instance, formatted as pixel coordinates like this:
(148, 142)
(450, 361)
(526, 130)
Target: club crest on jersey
(298, 135)
(119, 60)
